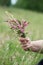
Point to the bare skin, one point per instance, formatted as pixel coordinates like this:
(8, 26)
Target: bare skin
(35, 46)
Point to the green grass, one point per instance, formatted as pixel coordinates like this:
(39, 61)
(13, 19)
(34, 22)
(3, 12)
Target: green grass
(11, 52)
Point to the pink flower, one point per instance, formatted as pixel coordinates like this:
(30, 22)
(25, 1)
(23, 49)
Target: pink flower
(14, 27)
(19, 26)
(24, 23)
(22, 30)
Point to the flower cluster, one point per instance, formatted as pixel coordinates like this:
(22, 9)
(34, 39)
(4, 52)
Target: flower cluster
(18, 26)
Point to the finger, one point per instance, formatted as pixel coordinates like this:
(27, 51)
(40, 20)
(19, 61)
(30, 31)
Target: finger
(25, 48)
(23, 40)
(25, 45)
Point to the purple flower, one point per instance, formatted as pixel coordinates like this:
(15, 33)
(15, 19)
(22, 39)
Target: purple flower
(17, 25)
(24, 23)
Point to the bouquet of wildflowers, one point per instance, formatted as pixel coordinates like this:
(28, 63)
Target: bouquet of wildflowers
(18, 26)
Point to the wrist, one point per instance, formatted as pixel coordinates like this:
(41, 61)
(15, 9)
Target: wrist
(35, 47)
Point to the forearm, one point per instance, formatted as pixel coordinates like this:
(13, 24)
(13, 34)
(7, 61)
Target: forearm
(37, 46)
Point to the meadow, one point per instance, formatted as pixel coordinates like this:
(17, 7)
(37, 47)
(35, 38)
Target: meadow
(11, 52)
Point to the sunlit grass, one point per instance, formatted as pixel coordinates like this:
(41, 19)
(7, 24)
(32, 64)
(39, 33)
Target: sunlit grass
(11, 52)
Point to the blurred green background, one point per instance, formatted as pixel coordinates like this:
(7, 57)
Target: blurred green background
(11, 52)
(26, 4)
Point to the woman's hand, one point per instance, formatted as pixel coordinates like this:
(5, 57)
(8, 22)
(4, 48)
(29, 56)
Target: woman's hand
(35, 46)
(25, 43)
